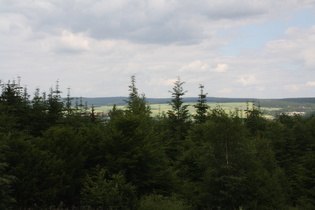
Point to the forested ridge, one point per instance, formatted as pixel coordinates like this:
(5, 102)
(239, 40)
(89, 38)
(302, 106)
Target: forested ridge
(53, 155)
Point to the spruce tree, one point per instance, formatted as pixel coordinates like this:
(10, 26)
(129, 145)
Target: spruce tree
(179, 111)
(178, 116)
(14, 103)
(137, 104)
(201, 107)
(55, 105)
(178, 121)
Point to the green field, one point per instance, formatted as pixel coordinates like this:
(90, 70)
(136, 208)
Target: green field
(158, 109)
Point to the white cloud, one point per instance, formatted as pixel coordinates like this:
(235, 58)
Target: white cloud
(247, 80)
(14, 24)
(95, 46)
(225, 90)
(310, 83)
(221, 67)
(163, 81)
(260, 88)
(309, 57)
(298, 46)
(70, 41)
(149, 22)
(292, 87)
(195, 66)
(199, 66)
(67, 42)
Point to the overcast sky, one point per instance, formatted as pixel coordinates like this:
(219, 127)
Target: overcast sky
(235, 48)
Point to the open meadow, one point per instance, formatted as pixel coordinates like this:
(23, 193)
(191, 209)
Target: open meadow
(160, 109)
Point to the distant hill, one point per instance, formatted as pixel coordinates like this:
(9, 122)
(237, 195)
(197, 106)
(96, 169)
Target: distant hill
(109, 101)
(104, 101)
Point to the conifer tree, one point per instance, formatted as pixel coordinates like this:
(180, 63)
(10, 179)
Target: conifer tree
(201, 107)
(137, 104)
(14, 103)
(68, 103)
(39, 117)
(6, 180)
(55, 105)
(179, 114)
(178, 121)
(254, 120)
(179, 111)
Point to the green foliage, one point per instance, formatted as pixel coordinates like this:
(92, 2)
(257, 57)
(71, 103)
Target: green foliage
(68, 145)
(37, 173)
(225, 168)
(254, 121)
(294, 146)
(201, 107)
(131, 146)
(6, 199)
(178, 122)
(136, 104)
(179, 113)
(52, 153)
(6, 180)
(108, 191)
(14, 103)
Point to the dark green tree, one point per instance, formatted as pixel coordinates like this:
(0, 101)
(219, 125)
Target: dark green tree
(293, 141)
(103, 190)
(254, 120)
(69, 145)
(6, 180)
(136, 104)
(201, 107)
(37, 172)
(55, 106)
(179, 114)
(225, 168)
(178, 121)
(131, 146)
(14, 107)
(39, 121)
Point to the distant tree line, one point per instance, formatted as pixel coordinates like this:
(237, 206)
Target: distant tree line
(54, 156)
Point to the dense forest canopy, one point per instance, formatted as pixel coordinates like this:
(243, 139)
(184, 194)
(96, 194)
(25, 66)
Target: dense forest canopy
(57, 154)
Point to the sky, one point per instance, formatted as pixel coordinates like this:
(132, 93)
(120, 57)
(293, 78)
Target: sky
(239, 49)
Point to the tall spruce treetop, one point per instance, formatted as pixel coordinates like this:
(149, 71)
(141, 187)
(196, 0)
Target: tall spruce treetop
(179, 111)
(13, 104)
(55, 105)
(136, 104)
(178, 116)
(201, 107)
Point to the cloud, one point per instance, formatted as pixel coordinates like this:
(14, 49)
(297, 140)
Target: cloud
(67, 42)
(14, 24)
(163, 81)
(247, 80)
(298, 46)
(292, 87)
(163, 22)
(225, 90)
(95, 46)
(195, 66)
(199, 66)
(221, 67)
(310, 83)
(260, 88)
